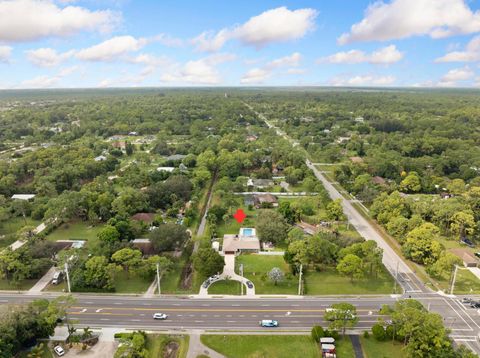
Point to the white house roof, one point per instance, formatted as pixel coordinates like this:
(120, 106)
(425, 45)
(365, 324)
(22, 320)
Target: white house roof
(233, 243)
(165, 169)
(23, 196)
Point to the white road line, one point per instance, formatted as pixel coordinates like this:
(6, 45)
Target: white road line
(199, 321)
(146, 304)
(117, 303)
(471, 319)
(265, 305)
(217, 315)
(135, 320)
(205, 305)
(231, 321)
(104, 319)
(176, 304)
(235, 305)
(458, 314)
(89, 302)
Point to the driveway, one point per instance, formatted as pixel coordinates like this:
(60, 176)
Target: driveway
(43, 282)
(99, 350)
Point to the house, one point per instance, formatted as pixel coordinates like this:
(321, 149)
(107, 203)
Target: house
(356, 160)
(248, 200)
(265, 200)
(379, 181)
(260, 183)
(100, 158)
(147, 218)
(120, 144)
(144, 245)
(133, 133)
(308, 228)
(252, 138)
(245, 241)
(176, 157)
(26, 197)
(182, 167)
(165, 169)
(469, 260)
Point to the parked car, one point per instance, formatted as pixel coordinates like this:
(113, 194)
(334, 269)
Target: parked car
(160, 316)
(249, 284)
(467, 242)
(57, 277)
(268, 323)
(466, 300)
(59, 351)
(475, 304)
(477, 254)
(206, 283)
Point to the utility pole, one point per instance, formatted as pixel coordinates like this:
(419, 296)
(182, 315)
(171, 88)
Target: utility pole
(396, 279)
(68, 277)
(158, 279)
(454, 278)
(300, 280)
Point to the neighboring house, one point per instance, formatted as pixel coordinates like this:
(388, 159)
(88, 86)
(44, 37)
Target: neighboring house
(308, 228)
(469, 260)
(248, 200)
(260, 183)
(246, 241)
(176, 157)
(165, 169)
(133, 133)
(23, 196)
(262, 200)
(379, 181)
(356, 160)
(144, 245)
(100, 158)
(120, 144)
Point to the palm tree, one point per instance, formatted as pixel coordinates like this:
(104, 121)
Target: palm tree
(87, 333)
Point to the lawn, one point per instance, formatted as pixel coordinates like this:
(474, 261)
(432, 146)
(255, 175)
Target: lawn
(46, 353)
(125, 283)
(376, 349)
(225, 287)
(170, 283)
(329, 282)
(231, 226)
(75, 230)
(157, 342)
(256, 267)
(466, 283)
(10, 227)
(21, 286)
(283, 346)
(344, 348)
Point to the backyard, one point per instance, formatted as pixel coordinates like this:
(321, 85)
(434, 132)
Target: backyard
(9, 228)
(75, 230)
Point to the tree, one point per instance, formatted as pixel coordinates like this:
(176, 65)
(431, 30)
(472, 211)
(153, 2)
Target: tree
(462, 223)
(421, 245)
(342, 316)
(444, 265)
(378, 332)
(351, 266)
(321, 251)
(271, 226)
(290, 214)
(127, 258)
(99, 273)
(411, 183)
(208, 262)
(168, 237)
(317, 333)
(335, 210)
(148, 267)
(276, 275)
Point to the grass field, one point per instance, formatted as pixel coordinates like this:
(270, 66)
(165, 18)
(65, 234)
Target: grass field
(330, 282)
(170, 283)
(125, 283)
(157, 342)
(75, 230)
(257, 346)
(466, 283)
(225, 287)
(9, 228)
(388, 349)
(255, 267)
(22, 285)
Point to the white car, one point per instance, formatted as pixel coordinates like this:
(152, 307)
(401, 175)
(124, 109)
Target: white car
(59, 351)
(161, 316)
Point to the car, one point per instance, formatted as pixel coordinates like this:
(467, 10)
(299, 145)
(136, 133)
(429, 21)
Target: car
(161, 316)
(59, 351)
(206, 283)
(467, 242)
(475, 304)
(466, 300)
(249, 284)
(477, 254)
(268, 323)
(60, 319)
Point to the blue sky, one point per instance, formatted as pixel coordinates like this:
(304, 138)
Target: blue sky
(123, 43)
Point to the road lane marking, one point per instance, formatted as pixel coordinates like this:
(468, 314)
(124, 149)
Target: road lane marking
(104, 319)
(199, 321)
(99, 310)
(117, 303)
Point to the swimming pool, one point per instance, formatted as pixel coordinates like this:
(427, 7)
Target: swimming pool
(247, 231)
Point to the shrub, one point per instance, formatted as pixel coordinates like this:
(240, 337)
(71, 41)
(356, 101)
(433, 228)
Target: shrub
(389, 331)
(366, 334)
(331, 333)
(378, 332)
(317, 333)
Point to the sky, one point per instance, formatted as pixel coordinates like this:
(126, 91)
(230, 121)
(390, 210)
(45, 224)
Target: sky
(145, 43)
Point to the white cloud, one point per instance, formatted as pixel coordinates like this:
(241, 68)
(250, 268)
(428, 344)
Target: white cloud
(47, 57)
(362, 80)
(111, 49)
(404, 18)
(27, 20)
(150, 60)
(5, 53)
(456, 75)
(296, 71)
(168, 40)
(45, 81)
(293, 60)
(471, 53)
(384, 56)
(255, 75)
(202, 71)
(275, 25)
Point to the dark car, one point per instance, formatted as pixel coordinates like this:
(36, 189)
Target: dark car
(467, 242)
(475, 304)
(477, 254)
(249, 284)
(466, 300)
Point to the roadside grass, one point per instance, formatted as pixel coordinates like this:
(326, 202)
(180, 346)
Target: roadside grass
(282, 346)
(10, 227)
(156, 344)
(256, 268)
(21, 286)
(330, 282)
(344, 348)
(170, 283)
(125, 283)
(75, 230)
(387, 349)
(225, 287)
(465, 283)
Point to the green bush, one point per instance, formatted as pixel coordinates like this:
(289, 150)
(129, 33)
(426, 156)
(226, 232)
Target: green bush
(378, 332)
(317, 333)
(389, 332)
(331, 333)
(366, 334)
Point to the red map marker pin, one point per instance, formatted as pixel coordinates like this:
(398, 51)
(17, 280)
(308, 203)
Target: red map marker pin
(239, 216)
